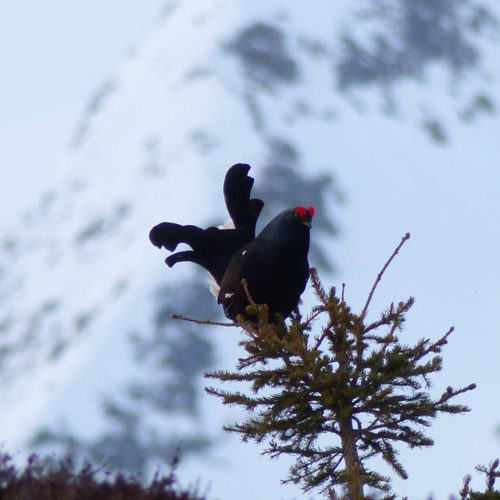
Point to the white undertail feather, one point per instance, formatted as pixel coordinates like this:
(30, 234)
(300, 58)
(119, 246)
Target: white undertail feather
(213, 286)
(229, 224)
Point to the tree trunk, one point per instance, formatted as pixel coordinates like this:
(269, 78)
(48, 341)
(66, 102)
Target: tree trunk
(351, 458)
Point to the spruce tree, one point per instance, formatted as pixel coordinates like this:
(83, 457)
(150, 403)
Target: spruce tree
(334, 390)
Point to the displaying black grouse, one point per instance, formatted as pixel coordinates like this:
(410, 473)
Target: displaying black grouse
(214, 247)
(274, 264)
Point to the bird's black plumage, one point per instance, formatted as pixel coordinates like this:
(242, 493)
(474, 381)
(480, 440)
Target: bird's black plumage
(212, 248)
(274, 264)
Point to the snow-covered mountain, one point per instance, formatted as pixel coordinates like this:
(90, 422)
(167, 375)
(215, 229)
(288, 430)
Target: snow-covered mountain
(396, 100)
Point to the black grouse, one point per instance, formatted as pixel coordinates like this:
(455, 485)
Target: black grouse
(214, 247)
(274, 264)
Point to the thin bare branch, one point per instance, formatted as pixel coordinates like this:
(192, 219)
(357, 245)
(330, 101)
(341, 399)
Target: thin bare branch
(247, 292)
(202, 321)
(440, 342)
(322, 337)
(450, 393)
(381, 273)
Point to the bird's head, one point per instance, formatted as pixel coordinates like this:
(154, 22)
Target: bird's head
(305, 215)
(289, 228)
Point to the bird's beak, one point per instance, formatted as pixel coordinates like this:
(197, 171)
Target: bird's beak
(307, 223)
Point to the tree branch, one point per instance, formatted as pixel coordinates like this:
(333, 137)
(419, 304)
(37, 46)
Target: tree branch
(247, 291)
(203, 321)
(381, 273)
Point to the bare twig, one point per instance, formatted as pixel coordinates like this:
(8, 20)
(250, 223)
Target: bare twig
(247, 292)
(203, 321)
(434, 347)
(314, 314)
(323, 335)
(381, 273)
(450, 393)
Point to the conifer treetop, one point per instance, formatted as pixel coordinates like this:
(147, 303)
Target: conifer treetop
(334, 391)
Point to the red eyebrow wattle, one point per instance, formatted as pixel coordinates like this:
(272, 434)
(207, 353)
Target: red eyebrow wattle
(310, 209)
(300, 211)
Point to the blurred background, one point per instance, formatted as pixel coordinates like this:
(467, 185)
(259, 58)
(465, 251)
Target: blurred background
(118, 115)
